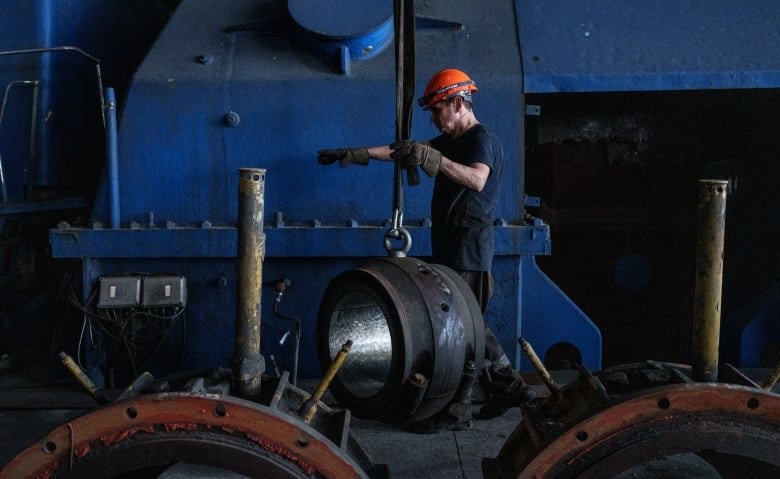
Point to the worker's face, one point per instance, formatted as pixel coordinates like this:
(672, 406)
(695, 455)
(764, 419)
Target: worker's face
(444, 115)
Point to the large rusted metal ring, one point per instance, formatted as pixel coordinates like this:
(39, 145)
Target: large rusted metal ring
(151, 432)
(724, 419)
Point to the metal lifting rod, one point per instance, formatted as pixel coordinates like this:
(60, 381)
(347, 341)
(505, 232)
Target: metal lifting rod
(403, 11)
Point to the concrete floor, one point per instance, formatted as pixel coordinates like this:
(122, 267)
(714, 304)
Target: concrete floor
(458, 454)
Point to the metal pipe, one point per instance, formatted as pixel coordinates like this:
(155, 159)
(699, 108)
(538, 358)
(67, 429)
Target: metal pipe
(772, 379)
(309, 408)
(112, 152)
(30, 186)
(68, 48)
(709, 279)
(249, 364)
(540, 369)
(78, 373)
(137, 387)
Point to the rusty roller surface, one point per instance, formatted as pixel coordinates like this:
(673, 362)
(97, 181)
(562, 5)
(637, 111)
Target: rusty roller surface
(414, 326)
(149, 435)
(584, 433)
(715, 420)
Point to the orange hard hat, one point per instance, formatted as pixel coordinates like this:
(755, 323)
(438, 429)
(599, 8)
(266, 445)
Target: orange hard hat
(445, 84)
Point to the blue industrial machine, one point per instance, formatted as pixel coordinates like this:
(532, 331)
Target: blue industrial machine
(255, 85)
(167, 151)
(251, 83)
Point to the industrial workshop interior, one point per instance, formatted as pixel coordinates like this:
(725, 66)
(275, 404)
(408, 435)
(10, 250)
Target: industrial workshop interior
(189, 291)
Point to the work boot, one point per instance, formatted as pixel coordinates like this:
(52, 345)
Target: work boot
(505, 388)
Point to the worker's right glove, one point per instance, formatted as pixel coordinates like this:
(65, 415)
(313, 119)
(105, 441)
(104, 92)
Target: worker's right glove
(411, 153)
(344, 156)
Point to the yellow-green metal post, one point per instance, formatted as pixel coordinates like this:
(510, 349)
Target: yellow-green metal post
(709, 279)
(79, 374)
(539, 366)
(772, 379)
(309, 408)
(249, 364)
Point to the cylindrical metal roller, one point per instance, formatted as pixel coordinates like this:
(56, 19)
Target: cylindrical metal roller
(407, 319)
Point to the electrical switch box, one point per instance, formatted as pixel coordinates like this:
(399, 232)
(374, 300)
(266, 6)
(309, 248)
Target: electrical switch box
(119, 292)
(164, 292)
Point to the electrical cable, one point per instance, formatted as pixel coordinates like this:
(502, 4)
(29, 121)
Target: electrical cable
(131, 336)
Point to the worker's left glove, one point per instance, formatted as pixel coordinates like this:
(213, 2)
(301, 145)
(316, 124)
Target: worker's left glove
(411, 153)
(345, 156)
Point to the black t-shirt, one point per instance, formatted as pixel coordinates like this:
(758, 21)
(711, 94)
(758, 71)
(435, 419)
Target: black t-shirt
(462, 219)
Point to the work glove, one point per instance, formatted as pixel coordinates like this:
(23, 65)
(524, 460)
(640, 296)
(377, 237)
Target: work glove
(344, 156)
(411, 153)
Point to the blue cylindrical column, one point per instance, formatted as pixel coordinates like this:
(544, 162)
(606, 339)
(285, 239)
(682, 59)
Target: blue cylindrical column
(112, 150)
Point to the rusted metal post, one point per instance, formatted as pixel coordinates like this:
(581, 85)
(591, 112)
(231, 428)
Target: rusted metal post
(79, 374)
(249, 364)
(709, 279)
(540, 369)
(774, 376)
(309, 407)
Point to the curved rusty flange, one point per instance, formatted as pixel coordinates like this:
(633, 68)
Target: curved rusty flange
(251, 431)
(657, 423)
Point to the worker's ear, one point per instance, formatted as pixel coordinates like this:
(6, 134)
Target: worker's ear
(458, 102)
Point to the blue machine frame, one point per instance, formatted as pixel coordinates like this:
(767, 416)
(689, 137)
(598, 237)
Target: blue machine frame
(187, 125)
(238, 84)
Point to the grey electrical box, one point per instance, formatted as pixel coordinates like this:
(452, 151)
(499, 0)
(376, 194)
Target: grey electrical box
(119, 292)
(164, 292)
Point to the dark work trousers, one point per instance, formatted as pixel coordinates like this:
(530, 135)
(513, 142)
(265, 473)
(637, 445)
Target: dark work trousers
(481, 283)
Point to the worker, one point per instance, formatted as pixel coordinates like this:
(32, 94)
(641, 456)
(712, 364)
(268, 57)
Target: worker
(466, 160)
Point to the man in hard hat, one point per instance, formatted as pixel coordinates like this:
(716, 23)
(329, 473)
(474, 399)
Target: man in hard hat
(466, 160)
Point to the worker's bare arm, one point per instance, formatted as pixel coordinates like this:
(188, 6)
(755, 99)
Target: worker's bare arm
(472, 177)
(381, 152)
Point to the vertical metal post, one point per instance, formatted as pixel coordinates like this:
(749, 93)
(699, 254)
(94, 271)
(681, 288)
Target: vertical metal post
(709, 279)
(249, 364)
(112, 150)
(30, 182)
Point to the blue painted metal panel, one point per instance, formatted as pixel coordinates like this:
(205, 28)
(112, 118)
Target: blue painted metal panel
(760, 339)
(290, 104)
(286, 242)
(636, 45)
(757, 327)
(549, 318)
(207, 337)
